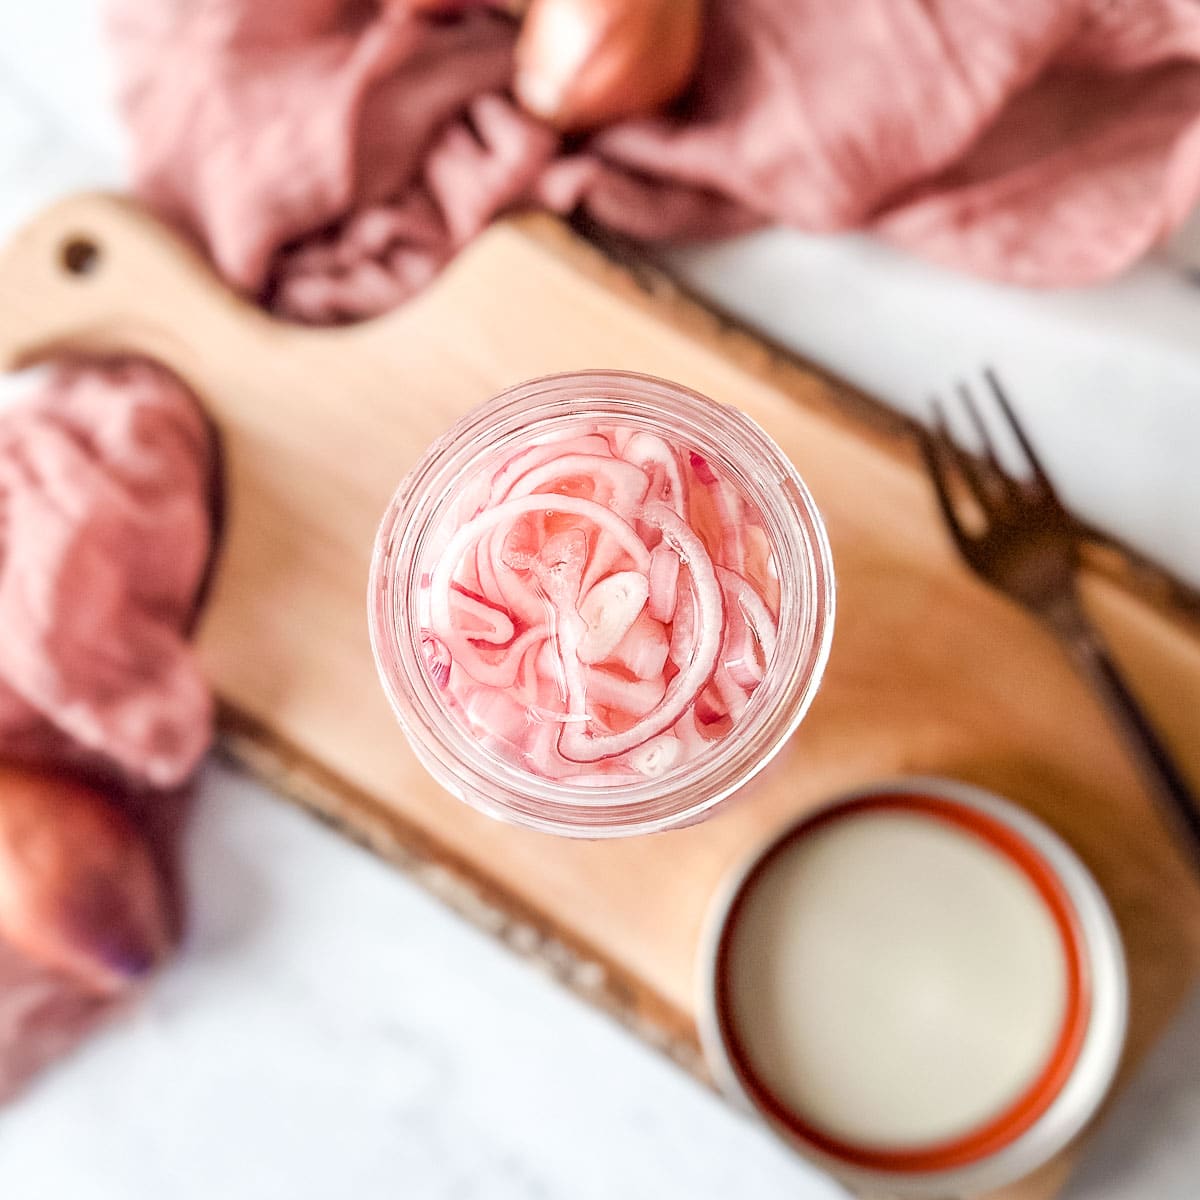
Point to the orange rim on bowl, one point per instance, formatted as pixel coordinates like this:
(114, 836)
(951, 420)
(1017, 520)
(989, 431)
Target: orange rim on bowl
(1035, 1100)
(1081, 1060)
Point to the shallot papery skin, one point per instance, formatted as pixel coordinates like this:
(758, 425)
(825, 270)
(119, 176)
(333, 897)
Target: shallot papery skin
(79, 889)
(601, 606)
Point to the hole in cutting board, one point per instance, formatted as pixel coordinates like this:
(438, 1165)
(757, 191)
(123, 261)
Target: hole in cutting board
(79, 256)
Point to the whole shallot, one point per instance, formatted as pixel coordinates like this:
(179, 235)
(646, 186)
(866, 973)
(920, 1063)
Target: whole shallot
(79, 889)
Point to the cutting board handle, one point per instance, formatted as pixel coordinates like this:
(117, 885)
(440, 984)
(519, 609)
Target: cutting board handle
(97, 274)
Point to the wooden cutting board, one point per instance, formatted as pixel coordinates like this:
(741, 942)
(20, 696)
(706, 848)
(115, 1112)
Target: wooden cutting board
(931, 672)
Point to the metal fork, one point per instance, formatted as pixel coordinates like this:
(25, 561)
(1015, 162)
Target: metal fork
(1029, 549)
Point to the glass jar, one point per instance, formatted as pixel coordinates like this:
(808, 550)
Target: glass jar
(412, 537)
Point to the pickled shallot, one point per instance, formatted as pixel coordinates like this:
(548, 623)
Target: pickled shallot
(602, 608)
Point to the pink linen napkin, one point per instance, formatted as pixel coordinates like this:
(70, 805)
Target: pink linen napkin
(331, 155)
(104, 539)
(1038, 141)
(105, 535)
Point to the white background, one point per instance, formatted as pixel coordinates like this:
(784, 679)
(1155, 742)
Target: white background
(329, 1029)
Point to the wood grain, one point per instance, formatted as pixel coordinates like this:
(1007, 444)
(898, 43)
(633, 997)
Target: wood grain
(930, 671)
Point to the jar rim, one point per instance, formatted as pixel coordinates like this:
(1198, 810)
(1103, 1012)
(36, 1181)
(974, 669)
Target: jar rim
(740, 449)
(1100, 1020)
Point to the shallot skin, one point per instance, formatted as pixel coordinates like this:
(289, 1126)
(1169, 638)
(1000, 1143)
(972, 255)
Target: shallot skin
(79, 889)
(602, 606)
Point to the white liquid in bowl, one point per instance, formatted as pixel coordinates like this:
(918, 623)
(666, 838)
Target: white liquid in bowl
(895, 980)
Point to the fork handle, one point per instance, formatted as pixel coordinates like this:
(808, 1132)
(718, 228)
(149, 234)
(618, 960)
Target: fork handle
(1159, 770)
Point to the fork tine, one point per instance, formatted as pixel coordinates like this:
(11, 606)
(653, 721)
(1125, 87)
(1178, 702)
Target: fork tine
(965, 462)
(1035, 463)
(932, 449)
(985, 436)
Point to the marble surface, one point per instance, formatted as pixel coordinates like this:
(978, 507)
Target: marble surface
(329, 1029)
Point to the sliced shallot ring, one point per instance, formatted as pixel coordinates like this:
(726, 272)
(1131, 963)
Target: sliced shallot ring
(731, 512)
(710, 707)
(702, 468)
(606, 557)
(533, 456)
(496, 715)
(644, 648)
(741, 592)
(633, 696)
(618, 436)
(464, 538)
(579, 745)
(683, 626)
(657, 756)
(732, 696)
(693, 741)
(547, 716)
(609, 611)
(559, 569)
(756, 567)
(566, 635)
(648, 448)
(466, 574)
(663, 583)
(498, 626)
(500, 674)
(628, 483)
(728, 508)
(739, 655)
(497, 578)
(438, 660)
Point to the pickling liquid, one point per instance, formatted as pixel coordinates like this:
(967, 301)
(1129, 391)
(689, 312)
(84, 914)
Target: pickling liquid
(895, 981)
(600, 605)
